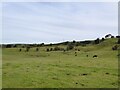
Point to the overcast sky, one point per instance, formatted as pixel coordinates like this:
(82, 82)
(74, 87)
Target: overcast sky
(47, 22)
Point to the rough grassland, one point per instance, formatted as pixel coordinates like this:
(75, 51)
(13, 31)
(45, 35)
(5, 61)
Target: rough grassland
(58, 69)
(0, 68)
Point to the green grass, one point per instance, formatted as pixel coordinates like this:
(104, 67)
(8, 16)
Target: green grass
(58, 69)
(0, 68)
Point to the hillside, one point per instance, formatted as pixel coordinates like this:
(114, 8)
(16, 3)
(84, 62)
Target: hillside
(72, 68)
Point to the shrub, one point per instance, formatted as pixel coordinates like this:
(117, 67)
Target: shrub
(74, 41)
(27, 49)
(118, 41)
(102, 39)
(70, 46)
(112, 36)
(42, 44)
(66, 43)
(56, 48)
(50, 44)
(8, 46)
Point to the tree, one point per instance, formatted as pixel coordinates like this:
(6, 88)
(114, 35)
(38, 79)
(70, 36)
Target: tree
(118, 36)
(42, 44)
(50, 44)
(108, 35)
(112, 36)
(9, 46)
(74, 41)
(97, 41)
(14, 45)
(65, 43)
(0, 45)
(103, 39)
(118, 41)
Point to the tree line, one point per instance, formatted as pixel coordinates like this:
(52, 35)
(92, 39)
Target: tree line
(70, 45)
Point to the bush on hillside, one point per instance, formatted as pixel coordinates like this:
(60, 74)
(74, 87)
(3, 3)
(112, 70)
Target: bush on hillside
(118, 41)
(27, 49)
(70, 46)
(56, 48)
(97, 41)
(115, 47)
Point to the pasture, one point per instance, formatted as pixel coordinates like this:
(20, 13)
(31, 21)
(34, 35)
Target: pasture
(58, 69)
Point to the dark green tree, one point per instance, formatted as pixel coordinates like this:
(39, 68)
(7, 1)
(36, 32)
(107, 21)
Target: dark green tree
(97, 41)
(112, 36)
(118, 41)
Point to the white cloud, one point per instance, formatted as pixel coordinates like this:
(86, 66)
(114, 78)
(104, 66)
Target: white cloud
(53, 22)
(60, 0)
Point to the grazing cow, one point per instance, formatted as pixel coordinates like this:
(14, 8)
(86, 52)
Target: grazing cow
(20, 50)
(27, 49)
(78, 49)
(75, 49)
(51, 49)
(47, 50)
(37, 49)
(118, 55)
(115, 47)
(75, 53)
(95, 56)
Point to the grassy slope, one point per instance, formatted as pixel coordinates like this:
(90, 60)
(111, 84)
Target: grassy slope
(62, 69)
(0, 68)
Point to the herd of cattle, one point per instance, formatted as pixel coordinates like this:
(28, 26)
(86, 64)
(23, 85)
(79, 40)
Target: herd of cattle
(115, 47)
(37, 49)
(87, 55)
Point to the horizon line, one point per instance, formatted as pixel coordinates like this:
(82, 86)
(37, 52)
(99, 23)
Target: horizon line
(56, 41)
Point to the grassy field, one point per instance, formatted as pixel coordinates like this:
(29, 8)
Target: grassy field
(58, 69)
(0, 68)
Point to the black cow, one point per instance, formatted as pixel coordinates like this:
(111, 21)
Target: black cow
(20, 50)
(95, 56)
(115, 47)
(37, 49)
(118, 55)
(75, 53)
